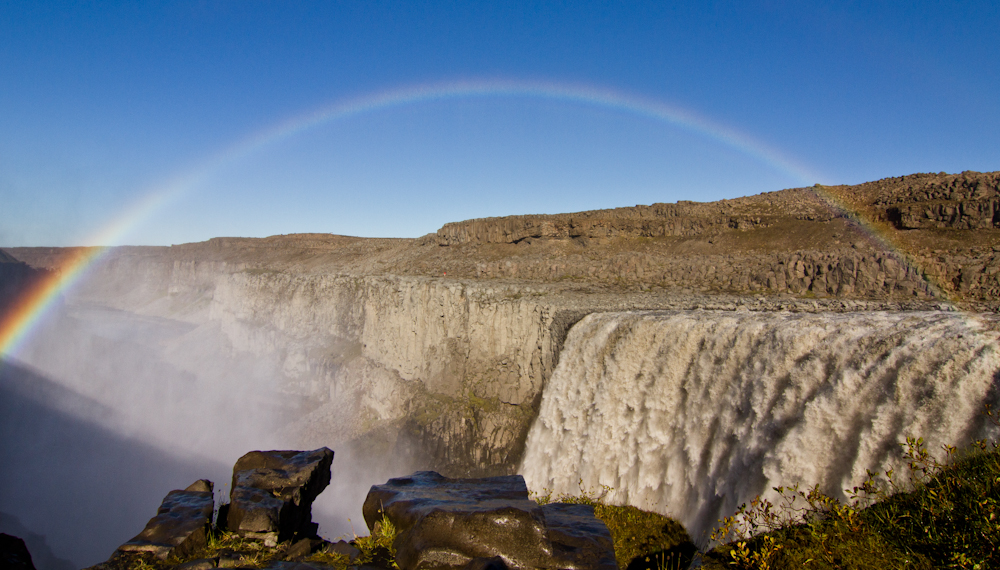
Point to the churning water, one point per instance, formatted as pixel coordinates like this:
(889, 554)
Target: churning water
(692, 413)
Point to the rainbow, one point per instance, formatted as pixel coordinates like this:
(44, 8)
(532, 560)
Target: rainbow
(17, 324)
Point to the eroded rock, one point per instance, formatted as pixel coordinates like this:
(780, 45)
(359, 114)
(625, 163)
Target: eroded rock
(455, 523)
(181, 523)
(273, 492)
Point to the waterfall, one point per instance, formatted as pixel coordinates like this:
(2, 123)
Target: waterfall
(692, 413)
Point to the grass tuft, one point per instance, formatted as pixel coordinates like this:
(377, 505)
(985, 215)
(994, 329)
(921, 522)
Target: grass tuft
(377, 548)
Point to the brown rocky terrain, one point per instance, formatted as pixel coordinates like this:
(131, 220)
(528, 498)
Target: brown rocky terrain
(923, 236)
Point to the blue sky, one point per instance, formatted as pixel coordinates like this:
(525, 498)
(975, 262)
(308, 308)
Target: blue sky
(105, 105)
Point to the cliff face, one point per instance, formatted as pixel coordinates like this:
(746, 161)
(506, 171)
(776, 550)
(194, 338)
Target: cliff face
(454, 369)
(970, 200)
(445, 374)
(683, 219)
(865, 274)
(918, 236)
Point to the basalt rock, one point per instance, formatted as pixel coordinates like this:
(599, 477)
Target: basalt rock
(181, 523)
(14, 554)
(577, 535)
(273, 492)
(459, 523)
(683, 219)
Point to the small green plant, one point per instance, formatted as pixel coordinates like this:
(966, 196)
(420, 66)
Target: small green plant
(377, 548)
(142, 564)
(334, 559)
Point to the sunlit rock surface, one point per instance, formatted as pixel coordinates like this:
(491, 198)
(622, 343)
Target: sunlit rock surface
(273, 491)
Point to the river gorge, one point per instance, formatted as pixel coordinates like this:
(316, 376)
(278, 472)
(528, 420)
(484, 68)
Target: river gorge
(165, 364)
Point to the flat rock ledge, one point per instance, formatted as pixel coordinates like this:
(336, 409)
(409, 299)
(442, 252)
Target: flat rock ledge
(475, 524)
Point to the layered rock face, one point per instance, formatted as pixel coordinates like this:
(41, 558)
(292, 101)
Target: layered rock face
(875, 240)
(970, 200)
(966, 201)
(818, 274)
(683, 219)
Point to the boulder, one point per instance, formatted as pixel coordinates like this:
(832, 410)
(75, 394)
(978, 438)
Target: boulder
(344, 548)
(458, 523)
(181, 523)
(14, 554)
(273, 492)
(577, 535)
(304, 547)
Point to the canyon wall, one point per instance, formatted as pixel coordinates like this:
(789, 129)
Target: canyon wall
(444, 373)
(453, 369)
(814, 273)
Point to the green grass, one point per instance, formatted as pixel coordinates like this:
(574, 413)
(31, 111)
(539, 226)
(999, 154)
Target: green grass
(376, 548)
(947, 515)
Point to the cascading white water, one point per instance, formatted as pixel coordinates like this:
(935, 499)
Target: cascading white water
(693, 413)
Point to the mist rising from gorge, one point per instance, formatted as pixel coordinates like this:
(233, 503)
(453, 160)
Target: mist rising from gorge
(105, 411)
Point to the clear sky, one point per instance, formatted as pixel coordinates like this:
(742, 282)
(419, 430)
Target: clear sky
(155, 122)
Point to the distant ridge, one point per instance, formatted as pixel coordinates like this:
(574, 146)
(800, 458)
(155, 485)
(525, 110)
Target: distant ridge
(921, 237)
(970, 200)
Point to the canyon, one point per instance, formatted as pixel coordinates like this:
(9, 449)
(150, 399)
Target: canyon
(688, 355)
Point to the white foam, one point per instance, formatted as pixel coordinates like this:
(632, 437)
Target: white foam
(692, 413)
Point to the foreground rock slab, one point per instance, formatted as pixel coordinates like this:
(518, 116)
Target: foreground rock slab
(488, 522)
(181, 523)
(14, 554)
(273, 492)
